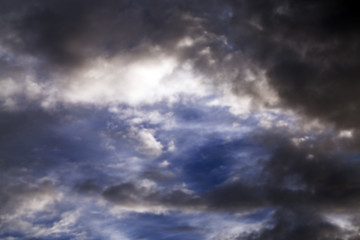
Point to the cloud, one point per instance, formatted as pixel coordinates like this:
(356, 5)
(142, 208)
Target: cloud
(147, 197)
(301, 190)
(68, 33)
(292, 224)
(151, 107)
(143, 80)
(309, 51)
(86, 52)
(27, 199)
(272, 54)
(147, 142)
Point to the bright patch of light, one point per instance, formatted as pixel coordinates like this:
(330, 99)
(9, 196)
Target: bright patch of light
(146, 81)
(345, 134)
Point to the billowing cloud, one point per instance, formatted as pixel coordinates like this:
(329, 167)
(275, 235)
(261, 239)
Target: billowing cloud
(309, 51)
(193, 119)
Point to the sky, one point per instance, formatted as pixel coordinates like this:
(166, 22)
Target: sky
(179, 120)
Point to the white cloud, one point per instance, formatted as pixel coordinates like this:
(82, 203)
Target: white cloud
(138, 116)
(26, 200)
(345, 134)
(243, 102)
(11, 89)
(66, 224)
(147, 143)
(221, 226)
(171, 146)
(133, 80)
(147, 80)
(164, 164)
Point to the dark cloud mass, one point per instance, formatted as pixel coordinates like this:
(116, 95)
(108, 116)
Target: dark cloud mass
(301, 185)
(309, 49)
(67, 33)
(127, 108)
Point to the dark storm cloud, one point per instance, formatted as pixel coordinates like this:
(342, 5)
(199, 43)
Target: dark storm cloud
(302, 184)
(67, 33)
(310, 50)
(322, 179)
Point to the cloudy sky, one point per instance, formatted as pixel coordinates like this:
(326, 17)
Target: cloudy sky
(179, 120)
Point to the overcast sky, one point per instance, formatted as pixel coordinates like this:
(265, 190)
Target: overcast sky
(179, 120)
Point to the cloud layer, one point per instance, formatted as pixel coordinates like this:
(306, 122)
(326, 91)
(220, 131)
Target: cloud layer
(179, 119)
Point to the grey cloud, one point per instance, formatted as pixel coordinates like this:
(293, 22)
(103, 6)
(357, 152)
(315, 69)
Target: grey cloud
(132, 194)
(61, 40)
(308, 50)
(296, 224)
(325, 179)
(88, 187)
(237, 196)
(307, 174)
(297, 175)
(13, 196)
(302, 184)
(158, 175)
(67, 33)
